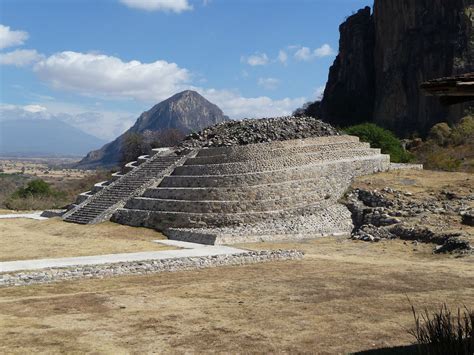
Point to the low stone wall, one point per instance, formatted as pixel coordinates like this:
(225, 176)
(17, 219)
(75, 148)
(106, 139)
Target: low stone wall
(144, 267)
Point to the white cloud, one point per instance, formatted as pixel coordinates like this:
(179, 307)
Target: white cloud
(34, 108)
(268, 83)
(20, 57)
(159, 5)
(324, 51)
(282, 56)
(10, 38)
(93, 74)
(306, 54)
(105, 76)
(236, 106)
(256, 59)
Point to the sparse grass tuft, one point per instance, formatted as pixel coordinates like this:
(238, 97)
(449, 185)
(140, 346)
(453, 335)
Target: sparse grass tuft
(444, 332)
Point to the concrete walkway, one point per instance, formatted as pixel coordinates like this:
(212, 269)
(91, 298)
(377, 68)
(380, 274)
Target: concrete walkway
(35, 215)
(190, 250)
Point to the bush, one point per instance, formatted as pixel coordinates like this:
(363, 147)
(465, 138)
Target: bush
(444, 332)
(379, 137)
(440, 133)
(34, 188)
(463, 132)
(37, 194)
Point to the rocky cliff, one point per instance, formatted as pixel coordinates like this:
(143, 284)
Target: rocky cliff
(186, 111)
(385, 55)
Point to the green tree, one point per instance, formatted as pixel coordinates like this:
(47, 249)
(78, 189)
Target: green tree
(36, 187)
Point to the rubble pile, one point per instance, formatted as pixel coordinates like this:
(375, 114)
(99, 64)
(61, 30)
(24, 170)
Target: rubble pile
(249, 131)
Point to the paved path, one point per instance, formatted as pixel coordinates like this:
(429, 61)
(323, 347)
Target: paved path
(190, 250)
(35, 215)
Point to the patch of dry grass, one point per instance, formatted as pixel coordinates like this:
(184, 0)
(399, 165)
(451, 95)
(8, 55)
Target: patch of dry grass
(23, 239)
(344, 296)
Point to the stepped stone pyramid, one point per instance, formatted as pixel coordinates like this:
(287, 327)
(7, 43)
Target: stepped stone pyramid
(221, 194)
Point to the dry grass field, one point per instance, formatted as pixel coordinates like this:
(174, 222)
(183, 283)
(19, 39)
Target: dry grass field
(23, 239)
(45, 168)
(343, 296)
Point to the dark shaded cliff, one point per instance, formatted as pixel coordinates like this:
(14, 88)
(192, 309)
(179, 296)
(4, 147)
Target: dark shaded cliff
(186, 112)
(385, 56)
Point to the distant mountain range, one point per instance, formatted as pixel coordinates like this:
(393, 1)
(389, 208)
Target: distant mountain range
(186, 111)
(44, 137)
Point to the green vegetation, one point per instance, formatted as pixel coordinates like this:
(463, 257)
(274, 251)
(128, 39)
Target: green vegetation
(22, 192)
(449, 148)
(37, 194)
(379, 137)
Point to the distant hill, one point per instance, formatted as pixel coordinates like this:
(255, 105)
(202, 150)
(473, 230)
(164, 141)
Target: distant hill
(36, 137)
(186, 111)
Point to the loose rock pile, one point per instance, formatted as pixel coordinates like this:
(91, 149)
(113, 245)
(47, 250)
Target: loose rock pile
(390, 214)
(262, 130)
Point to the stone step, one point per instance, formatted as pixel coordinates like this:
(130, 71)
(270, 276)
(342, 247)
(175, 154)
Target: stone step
(261, 147)
(279, 189)
(273, 164)
(275, 153)
(353, 167)
(124, 187)
(161, 220)
(320, 197)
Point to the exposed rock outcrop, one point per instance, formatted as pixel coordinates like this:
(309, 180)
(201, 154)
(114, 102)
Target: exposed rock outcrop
(385, 56)
(186, 112)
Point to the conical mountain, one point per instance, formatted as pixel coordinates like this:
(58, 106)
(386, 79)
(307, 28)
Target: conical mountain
(186, 111)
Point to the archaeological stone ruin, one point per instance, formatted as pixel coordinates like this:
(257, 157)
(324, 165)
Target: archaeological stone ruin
(238, 181)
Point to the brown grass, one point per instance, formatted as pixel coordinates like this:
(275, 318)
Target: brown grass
(343, 296)
(22, 239)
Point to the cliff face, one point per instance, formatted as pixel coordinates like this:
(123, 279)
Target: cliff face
(385, 56)
(186, 111)
(349, 93)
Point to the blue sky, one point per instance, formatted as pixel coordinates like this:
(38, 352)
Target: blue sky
(97, 64)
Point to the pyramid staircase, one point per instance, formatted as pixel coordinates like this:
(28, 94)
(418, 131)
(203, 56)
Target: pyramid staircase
(100, 206)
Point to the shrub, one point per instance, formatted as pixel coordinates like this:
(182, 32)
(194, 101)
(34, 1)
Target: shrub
(444, 332)
(36, 187)
(37, 194)
(463, 132)
(440, 133)
(379, 137)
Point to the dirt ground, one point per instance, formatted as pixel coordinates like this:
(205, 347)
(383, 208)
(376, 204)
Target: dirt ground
(23, 239)
(343, 296)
